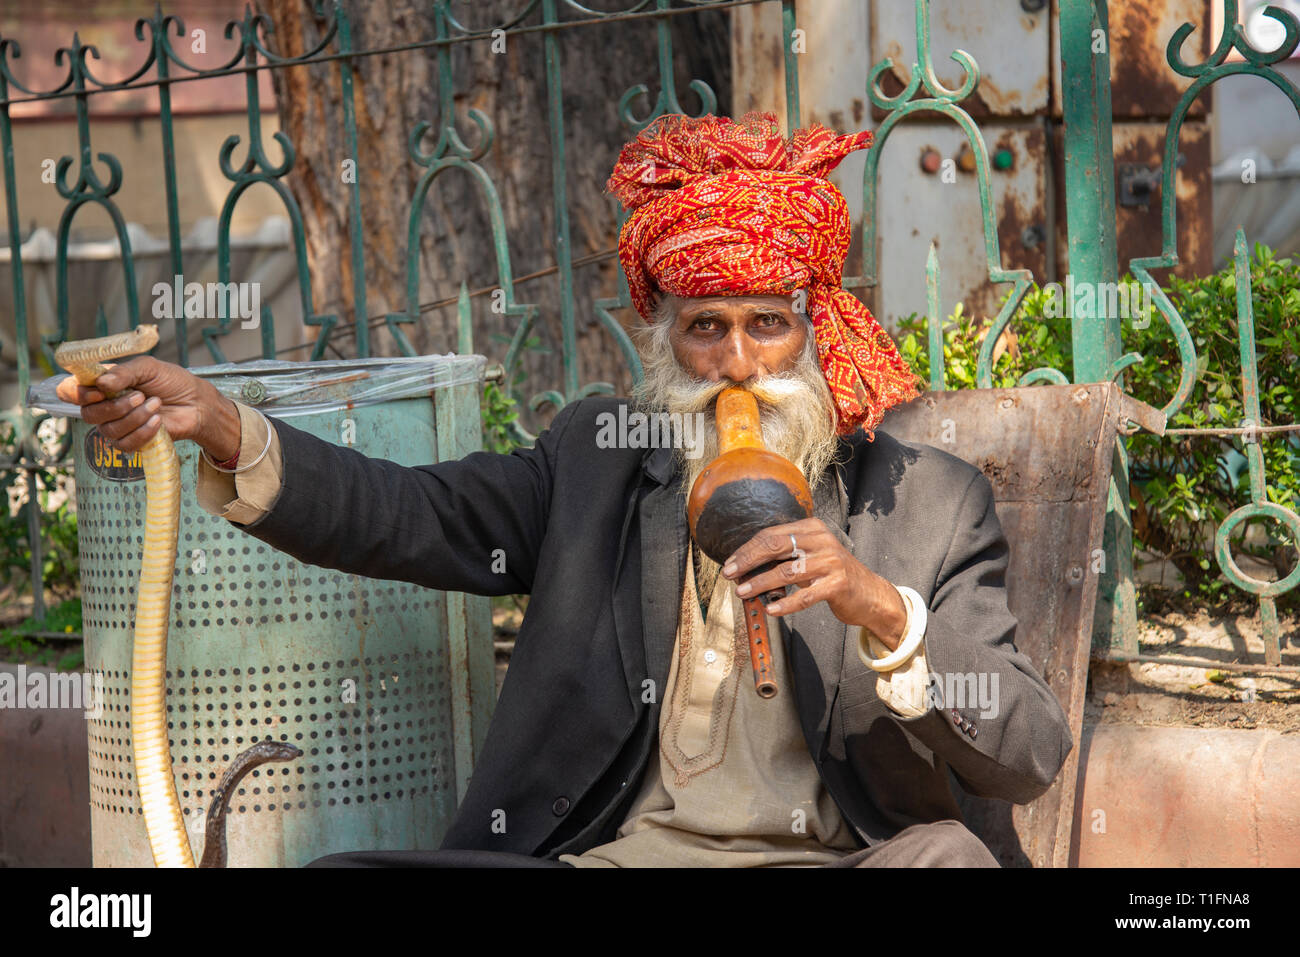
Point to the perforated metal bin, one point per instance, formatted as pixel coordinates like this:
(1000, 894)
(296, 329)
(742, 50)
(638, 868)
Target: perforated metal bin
(386, 687)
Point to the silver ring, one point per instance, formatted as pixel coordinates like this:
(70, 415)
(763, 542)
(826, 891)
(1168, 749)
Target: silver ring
(794, 548)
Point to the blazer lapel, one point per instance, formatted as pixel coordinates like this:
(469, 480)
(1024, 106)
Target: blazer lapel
(663, 564)
(814, 638)
(628, 616)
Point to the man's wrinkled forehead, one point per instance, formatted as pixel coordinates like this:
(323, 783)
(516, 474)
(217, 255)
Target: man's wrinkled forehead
(697, 304)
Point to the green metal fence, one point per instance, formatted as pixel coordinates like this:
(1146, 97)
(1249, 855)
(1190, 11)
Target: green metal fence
(1089, 189)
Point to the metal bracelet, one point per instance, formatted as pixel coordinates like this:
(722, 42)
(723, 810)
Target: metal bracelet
(243, 468)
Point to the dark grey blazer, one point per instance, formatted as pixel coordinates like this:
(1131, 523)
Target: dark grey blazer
(598, 538)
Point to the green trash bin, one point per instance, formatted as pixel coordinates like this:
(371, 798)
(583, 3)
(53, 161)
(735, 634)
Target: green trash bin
(385, 686)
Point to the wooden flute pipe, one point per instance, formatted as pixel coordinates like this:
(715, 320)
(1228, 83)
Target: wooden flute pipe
(746, 489)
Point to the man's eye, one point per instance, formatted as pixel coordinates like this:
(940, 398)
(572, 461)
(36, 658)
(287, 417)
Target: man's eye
(768, 319)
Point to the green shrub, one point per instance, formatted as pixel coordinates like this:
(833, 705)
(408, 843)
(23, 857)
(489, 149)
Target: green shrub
(1182, 487)
(20, 643)
(499, 411)
(59, 554)
(1041, 341)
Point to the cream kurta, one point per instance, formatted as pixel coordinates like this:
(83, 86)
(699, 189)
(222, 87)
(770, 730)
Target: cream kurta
(735, 786)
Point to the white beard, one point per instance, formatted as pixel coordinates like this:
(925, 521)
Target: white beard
(795, 409)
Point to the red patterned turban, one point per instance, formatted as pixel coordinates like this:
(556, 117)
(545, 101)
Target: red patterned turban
(732, 208)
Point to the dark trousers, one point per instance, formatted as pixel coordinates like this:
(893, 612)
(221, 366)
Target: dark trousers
(940, 844)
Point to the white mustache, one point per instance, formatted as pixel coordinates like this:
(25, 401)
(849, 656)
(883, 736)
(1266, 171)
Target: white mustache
(774, 389)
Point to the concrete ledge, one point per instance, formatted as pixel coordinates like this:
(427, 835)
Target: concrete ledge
(1187, 797)
(1147, 796)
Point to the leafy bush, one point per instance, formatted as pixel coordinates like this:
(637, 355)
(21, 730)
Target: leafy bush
(60, 566)
(1037, 340)
(20, 643)
(499, 411)
(1182, 487)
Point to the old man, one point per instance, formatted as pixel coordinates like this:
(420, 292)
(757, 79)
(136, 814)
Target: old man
(627, 733)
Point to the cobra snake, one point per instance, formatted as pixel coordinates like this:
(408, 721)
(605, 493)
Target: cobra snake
(151, 753)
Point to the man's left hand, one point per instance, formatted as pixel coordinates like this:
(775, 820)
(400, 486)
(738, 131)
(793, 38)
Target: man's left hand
(825, 571)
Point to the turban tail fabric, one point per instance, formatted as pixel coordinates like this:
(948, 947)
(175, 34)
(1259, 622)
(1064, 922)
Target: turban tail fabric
(719, 207)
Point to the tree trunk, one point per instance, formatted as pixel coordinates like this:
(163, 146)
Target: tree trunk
(394, 92)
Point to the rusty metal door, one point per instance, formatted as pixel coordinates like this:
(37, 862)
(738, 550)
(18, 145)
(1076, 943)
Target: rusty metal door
(940, 202)
(1143, 92)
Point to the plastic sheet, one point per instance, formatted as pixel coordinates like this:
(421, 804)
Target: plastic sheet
(302, 388)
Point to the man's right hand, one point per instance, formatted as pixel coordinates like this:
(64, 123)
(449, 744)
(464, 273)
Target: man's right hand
(153, 394)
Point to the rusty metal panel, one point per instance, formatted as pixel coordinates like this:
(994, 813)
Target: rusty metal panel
(1046, 451)
(757, 60)
(832, 91)
(1139, 153)
(1142, 82)
(1010, 85)
(917, 207)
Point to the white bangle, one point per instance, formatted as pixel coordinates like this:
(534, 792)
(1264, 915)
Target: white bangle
(243, 468)
(913, 632)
